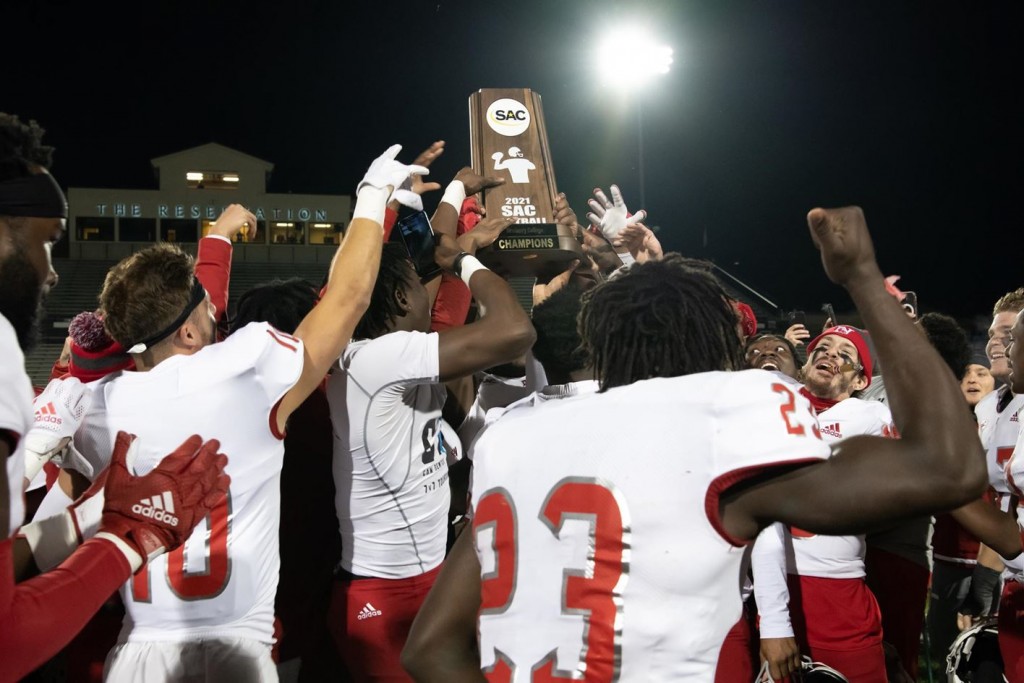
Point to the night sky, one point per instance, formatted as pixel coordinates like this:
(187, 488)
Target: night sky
(910, 110)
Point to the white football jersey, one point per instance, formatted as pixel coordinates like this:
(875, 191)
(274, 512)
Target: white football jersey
(222, 581)
(998, 431)
(15, 417)
(1015, 482)
(597, 517)
(390, 455)
(839, 557)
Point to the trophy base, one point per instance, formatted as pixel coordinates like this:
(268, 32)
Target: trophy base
(540, 250)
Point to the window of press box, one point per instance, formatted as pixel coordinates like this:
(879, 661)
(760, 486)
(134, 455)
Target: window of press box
(325, 233)
(137, 230)
(212, 180)
(244, 236)
(179, 230)
(94, 229)
(287, 232)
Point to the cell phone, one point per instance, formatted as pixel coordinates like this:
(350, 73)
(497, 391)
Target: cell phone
(910, 303)
(418, 237)
(797, 318)
(830, 312)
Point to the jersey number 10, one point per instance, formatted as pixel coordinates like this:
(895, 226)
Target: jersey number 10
(197, 586)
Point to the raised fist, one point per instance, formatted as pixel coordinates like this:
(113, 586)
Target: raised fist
(846, 249)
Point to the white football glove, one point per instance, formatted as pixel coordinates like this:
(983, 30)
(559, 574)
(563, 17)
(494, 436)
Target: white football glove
(406, 197)
(612, 216)
(59, 411)
(387, 173)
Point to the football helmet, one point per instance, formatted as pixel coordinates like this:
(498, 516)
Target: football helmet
(974, 649)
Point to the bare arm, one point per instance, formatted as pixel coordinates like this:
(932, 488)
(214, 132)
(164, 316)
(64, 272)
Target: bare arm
(938, 464)
(442, 643)
(503, 333)
(328, 327)
(326, 330)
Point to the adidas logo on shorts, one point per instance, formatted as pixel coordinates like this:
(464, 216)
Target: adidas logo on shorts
(159, 508)
(368, 611)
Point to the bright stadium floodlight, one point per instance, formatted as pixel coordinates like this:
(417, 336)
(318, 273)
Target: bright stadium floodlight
(630, 57)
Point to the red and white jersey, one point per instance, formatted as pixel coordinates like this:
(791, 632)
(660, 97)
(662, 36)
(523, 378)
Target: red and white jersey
(390, 456)
(610, 537)
(222, 581)
(1014, 473)
(998, 431)
(15, 417)
(839, 557)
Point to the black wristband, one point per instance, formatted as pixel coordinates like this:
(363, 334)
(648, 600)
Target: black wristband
(984, 594)
(457, 263)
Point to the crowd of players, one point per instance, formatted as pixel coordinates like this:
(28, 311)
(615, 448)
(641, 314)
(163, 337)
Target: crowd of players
(393, 476)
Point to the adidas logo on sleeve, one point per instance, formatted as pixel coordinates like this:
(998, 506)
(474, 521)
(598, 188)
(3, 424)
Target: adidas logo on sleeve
(368, 611)
(832, 430)
(160, 508)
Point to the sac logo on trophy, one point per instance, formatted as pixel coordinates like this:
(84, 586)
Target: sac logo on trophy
(508, 139)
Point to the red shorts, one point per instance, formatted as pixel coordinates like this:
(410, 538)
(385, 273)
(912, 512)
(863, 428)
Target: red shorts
(901, 587)
(1011, 631)
(837, 622)
(740, 657)
(370, 619)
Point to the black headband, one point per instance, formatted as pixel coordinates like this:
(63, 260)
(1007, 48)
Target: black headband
(36, 196)
(198, 294)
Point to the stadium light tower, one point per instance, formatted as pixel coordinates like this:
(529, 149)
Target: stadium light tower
(628, 58)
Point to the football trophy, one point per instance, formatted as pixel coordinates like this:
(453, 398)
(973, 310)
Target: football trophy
(508, 139)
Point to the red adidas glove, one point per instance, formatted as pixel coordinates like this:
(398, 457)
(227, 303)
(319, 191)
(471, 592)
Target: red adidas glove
(157, 512)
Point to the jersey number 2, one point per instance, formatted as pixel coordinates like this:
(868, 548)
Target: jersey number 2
(594, 592)
(202, 585)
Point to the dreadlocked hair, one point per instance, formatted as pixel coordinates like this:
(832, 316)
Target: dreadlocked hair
(659, 319)
(395, 271)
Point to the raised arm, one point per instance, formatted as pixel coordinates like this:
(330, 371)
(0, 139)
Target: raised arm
(213, 256)
(504, 332)
(938, 464)
(501, 333)
(328, 327)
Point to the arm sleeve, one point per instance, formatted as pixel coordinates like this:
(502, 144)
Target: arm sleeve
(771, 591)
(213, 269)
(451, 306)
(390, 218)
(58, 370)
(40, 616)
